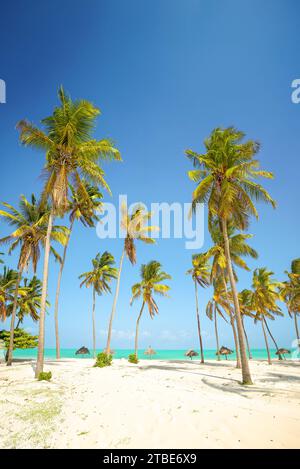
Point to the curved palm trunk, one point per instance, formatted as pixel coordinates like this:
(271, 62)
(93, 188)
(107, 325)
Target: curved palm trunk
(216, 332)
(9, 353)
(296, 327)
(94, 323)
(247, 341)
(137, 331)
(113, 311)
(238, 359)
(274, 341)
(40, 356)
(198, 323)
(244, 360)
(266, 341)
(57, 341)
(18, 323)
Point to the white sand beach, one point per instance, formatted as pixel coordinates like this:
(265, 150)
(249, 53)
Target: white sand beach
(156, 404)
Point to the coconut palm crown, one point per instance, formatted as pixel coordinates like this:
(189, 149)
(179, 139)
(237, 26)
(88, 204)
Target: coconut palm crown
(238, 245)
(71, 153)
(290, 292)
(30, 223)
(135, 225)
(226, 174)
(200, 270)
(101, 274)
(265, 295)
(8, 280)
(152, 278)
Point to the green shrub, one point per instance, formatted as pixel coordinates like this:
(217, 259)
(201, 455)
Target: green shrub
(45, 376)
(132, 358)
(103, 359)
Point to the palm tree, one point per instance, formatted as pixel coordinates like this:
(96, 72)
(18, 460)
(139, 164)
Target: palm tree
(245, 309)
(29, 302)
(238, 248)
(152, 277)
(217, 306)
(225, 178)
(264, 300)
(7, 287)
(30, 223)
(290, 293)
(84, 210)
(71, 154)
(200, 273)
(136, 228)
(99, 278)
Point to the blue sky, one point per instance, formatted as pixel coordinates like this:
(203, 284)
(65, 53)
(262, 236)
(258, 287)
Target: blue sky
(164, 74)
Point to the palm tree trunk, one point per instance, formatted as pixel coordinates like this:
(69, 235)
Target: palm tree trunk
(137, 331)
(57, 341)
(274, 341)
(244, 360)
(296, 327)
(247, 341)
(198, 323)
(18, 323)
(40, 356)
(113, 311)
(238, 359)
(266, 341)
(12, 321)
(216, 332)
(94, 323)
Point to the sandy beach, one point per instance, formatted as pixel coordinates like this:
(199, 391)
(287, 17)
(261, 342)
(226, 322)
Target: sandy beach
(157, 404)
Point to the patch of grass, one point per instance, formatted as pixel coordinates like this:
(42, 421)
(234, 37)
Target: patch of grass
(41, 412)
(39, 422)
(45, 376)
(103, 359)
(132, 358)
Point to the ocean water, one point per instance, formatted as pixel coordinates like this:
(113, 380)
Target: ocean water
(258, 354)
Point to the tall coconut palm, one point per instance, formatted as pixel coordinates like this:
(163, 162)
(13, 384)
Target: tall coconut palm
(245, 309)
(217, 306)
(99, 279)
(264, 300)
(7, 287)
(290, 293)
(238, 248)
(30, 223)
(200, 273)
(135, 225)
(28, 301)
(152, 277)
(71, 155)
(84, 210)
(225, 178)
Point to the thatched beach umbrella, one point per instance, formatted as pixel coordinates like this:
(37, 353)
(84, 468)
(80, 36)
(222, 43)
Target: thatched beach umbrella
(191, 353)
(282, 351)
(225, 351)
(150, 351)
(82, 351)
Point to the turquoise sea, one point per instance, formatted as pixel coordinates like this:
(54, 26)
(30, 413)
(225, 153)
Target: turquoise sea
(258, 354)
